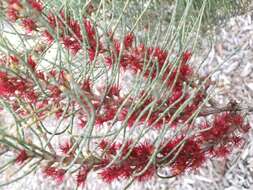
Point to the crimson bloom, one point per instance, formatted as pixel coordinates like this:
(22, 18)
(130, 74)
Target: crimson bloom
(65, 147)
(55, 173)
(82, 175)
(21, 157)
(6, 86)
(12, 14)
(29, 25)
(36, 5)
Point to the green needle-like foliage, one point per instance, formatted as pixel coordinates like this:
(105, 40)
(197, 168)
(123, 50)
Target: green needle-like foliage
(216, 11)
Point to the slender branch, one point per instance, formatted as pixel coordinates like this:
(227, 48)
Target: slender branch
(228, 108)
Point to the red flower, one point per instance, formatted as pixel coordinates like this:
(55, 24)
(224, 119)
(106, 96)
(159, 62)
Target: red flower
(147, 175)
(223, 126)
(49, 171)
(90, 30)
(237, 141)
(21, 86)
(82, 122)
(65, 147)
(108, 115)
(12, 14)
(59, 175)
(245, 128)
(111, 147)
(29, 25)
(91, 35)
(48, 36)
(59, 113)
(116, 45)
(51, 20)
(13, 2)
(128, 40)
(86, 86)
(114, 90)
(190, 155)
(14, 59)
(41, 75)
(143, 150)
(21, 157)
(186, 57)
(75, 27)
(159, 54)
(72, 44)
(31, 62)
(133, 60)
(55, 91)
(82, 175)
(110, 174)
(55, 173)
(221, 152)
(237, 119)
(37, 5)
(31, 96)
(92, 54)
(6, 86)
(136, 162)
(185, 72)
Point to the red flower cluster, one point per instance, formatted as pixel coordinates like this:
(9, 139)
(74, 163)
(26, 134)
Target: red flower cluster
(13, 10)
(82, 175)
(136, 161)
(6, 86)
(21, 157)
(55, 173)
(179, 154)
(132, 58)
(73, 39)
(29, 24)
(224, 133)
(188, 155)
(58, 174)
(65, 147)
(36, 5)
(22, 88)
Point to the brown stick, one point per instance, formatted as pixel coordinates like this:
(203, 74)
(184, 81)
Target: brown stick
(209, 111)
